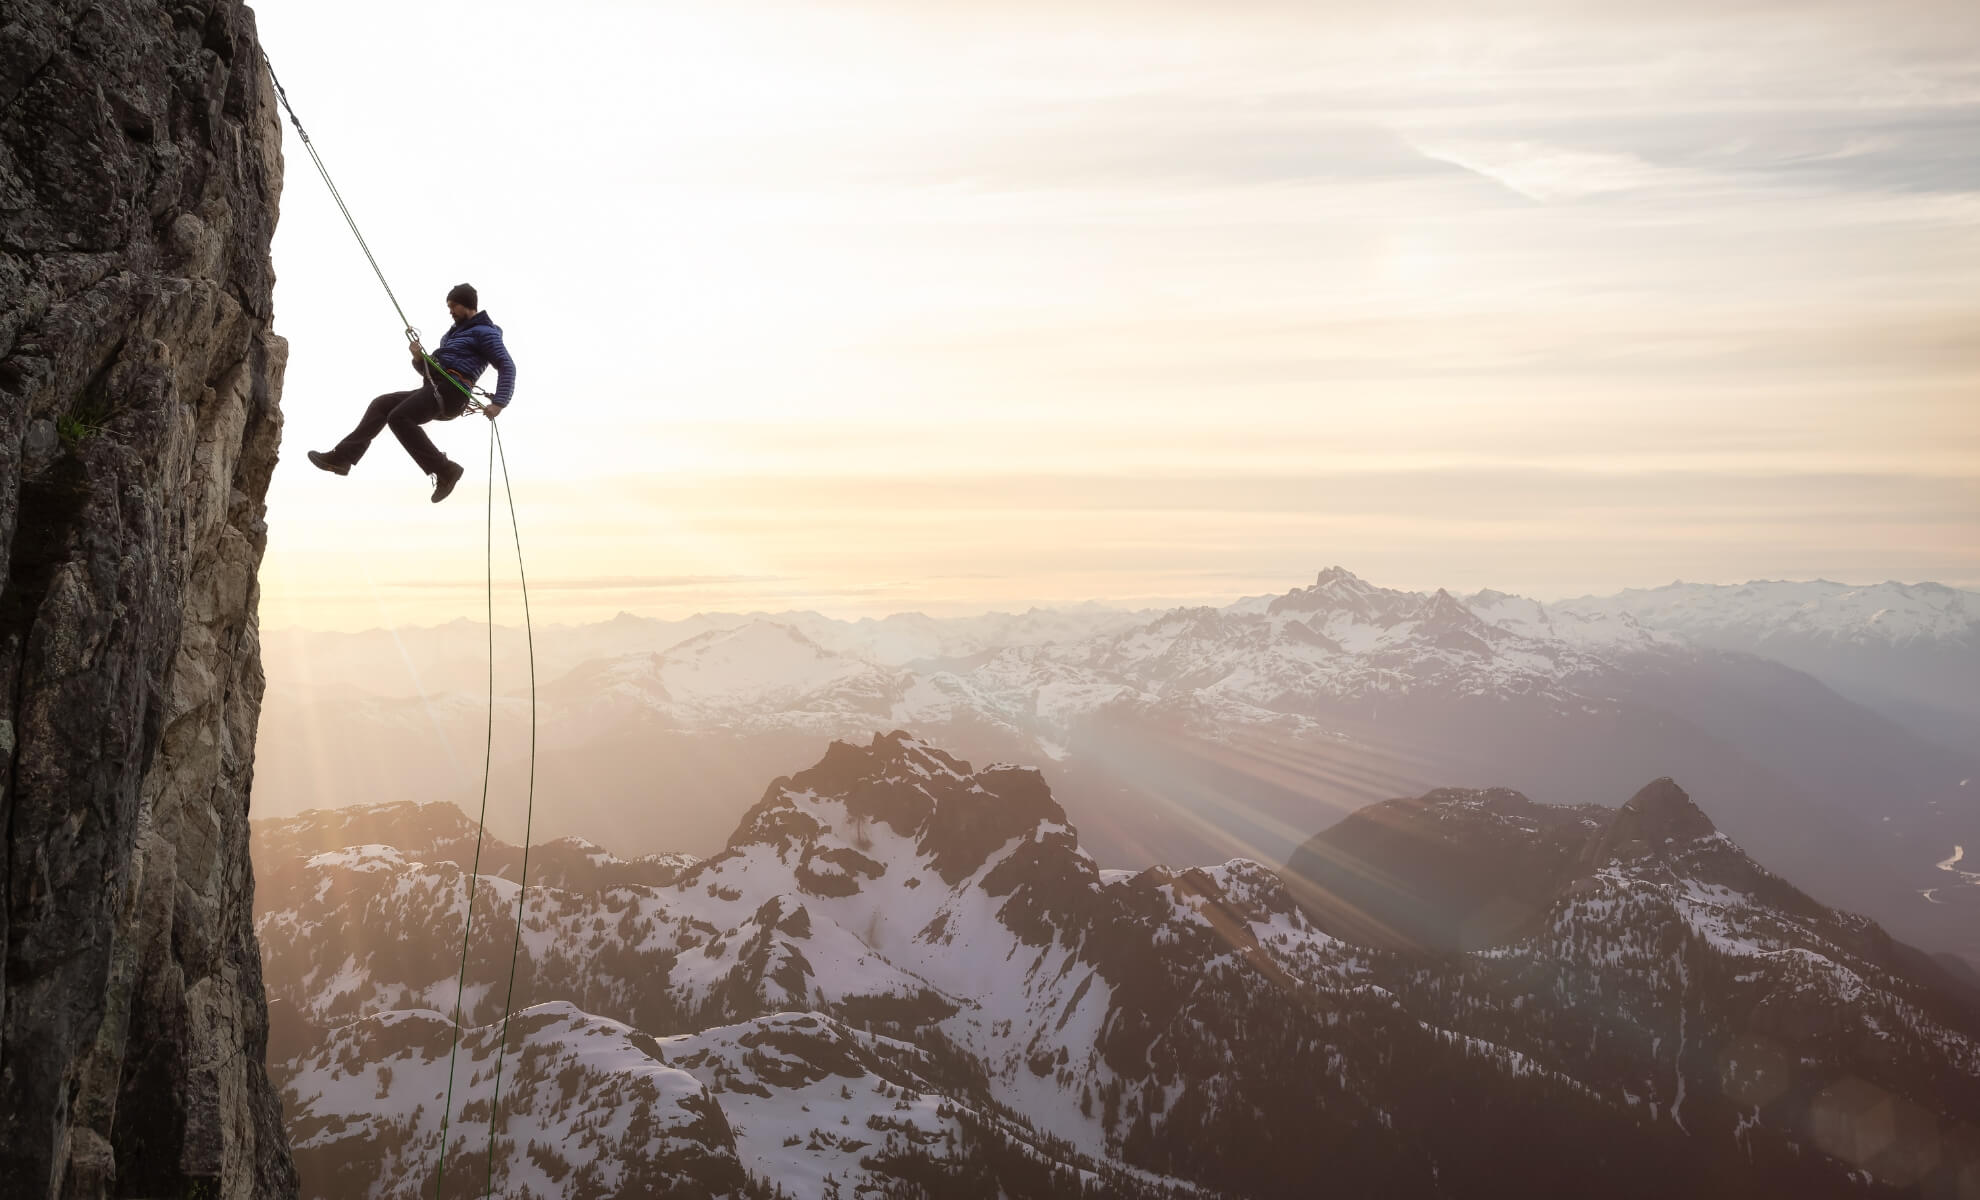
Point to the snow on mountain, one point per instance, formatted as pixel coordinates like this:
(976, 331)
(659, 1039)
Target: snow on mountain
(586, 1103)
(735, 678)
(909, 639)
(1911, 652)
(1889, 614)
(1595, 629)
(1200, 733)
(1340, 639)
(1282, 661)
(1341, 635)
(904, 971)
(1037, 674)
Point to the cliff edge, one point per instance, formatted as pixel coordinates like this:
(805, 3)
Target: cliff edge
(140, 167)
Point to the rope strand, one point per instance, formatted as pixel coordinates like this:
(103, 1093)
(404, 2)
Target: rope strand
(529, 813)
(481, 825)
(283, 94)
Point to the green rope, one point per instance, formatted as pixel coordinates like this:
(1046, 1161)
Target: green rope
(488, 760)
(529, 817)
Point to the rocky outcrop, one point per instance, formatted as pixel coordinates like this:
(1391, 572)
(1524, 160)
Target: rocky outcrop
(1656, 819)
(140, 167)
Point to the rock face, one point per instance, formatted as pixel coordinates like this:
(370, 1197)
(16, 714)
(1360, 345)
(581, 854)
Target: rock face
(140, 167)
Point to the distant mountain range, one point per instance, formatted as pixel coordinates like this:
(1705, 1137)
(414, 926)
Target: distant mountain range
(904, 976)
(1192, 735)
(1910, 651)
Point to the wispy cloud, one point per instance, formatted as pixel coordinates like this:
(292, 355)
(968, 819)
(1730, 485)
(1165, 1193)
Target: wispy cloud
(1551, 173)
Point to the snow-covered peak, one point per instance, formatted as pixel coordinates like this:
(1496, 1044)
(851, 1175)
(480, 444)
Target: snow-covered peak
(864, 811)
(758, 658)
(1340, 592)
(904, 639)
(372, 857)
(1592, 629)
(748, 672)
(586, 1102)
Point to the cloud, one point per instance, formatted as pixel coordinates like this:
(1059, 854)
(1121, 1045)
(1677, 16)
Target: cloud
(1555, 173)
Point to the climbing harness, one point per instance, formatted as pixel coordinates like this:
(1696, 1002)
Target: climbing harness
(476, 399)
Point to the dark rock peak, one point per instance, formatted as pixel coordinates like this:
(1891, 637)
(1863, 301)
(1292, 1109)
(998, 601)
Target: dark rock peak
(969, 826)
(1303, 631)
(894, 780)
(846, 766)
(1659, 818)
(958, 816)
(1442, 606)
(1341, 579)
(1445, 622)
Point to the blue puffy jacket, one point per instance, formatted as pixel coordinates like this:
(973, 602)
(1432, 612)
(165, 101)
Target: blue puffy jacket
(471, 346)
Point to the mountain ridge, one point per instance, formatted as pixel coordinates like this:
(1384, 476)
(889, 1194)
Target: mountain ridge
(1201, 733)
(1136, 1019)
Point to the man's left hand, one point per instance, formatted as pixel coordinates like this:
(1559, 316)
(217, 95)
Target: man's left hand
(491, 411)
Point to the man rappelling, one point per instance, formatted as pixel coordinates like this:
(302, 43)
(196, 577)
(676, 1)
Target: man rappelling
(470, 347)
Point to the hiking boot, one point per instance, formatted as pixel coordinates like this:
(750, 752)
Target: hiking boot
(324, 462)
(443, 482)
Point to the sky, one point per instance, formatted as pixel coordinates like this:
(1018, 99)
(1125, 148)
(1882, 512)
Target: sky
(874, 306)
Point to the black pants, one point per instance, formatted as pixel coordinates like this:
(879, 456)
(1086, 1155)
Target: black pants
(405, 412)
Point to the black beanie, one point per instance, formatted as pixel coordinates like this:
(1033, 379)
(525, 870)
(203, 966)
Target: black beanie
(463, 293)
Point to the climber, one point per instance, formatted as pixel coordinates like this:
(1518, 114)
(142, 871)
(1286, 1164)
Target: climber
(466, 350)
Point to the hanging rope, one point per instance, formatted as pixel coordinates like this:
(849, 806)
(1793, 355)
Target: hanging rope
(480, 826)
(495, 449)
(522, 893)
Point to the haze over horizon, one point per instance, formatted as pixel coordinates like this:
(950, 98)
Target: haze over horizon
(508, 601)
